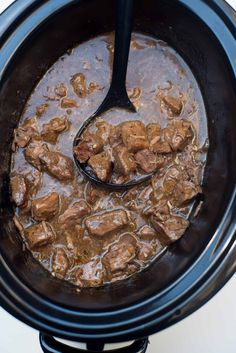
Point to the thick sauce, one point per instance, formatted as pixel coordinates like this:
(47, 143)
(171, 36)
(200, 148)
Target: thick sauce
(81, 233)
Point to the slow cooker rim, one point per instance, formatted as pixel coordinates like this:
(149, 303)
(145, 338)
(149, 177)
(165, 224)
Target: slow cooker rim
(9, 299)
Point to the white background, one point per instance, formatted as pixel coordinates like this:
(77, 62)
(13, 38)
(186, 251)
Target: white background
(212, 329)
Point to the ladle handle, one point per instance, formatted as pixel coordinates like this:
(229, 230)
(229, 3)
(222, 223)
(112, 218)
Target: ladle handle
(117, 95)
(124, 22)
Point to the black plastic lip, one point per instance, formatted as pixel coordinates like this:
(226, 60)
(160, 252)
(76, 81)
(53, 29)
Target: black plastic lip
(206, 276)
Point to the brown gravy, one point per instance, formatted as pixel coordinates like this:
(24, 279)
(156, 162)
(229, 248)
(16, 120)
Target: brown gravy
(75, 251)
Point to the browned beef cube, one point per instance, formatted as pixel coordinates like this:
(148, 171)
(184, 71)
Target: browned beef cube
(90, 145)
(78, 82)
(115, 135)
(161, 146)
(24, 133)
(160, 210)
(172, 177)
(74, 214)
(184, 192)
(174, 105)
(146, 251)
(68, 103)
(41, 109)
(60, 262)
(91, 274)
(104, 130)
(101, 165)
(105, 223)
(134, 135)
(19, 190)
(153, 132)
(46, 207)
(51, 130)
(124, 162)
(34, 151)
(61, 90)
(147, 233)
(148, 161)
(34, 181)
(156, 138)
(39, 235)
(178, 134)
(57, 165)
(120, 254)
(170, 229)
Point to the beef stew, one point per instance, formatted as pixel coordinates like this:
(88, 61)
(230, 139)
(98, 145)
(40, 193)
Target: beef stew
(78, 231)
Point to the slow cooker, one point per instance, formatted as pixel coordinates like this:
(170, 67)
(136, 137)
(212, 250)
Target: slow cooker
(33, 34)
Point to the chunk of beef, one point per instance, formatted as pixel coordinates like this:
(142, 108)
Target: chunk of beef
(124, 162)
(105, 223)
(147, 233)
(178, 134)
(153, 132)
(91, 274)
(78, 82)
(19, 190)
(39, 235)
(120, 254)
(46, 207)
(146, 251)
(115, 135)
(101, 165)
(61, 90)
(34, 181)
(173, 105)
(41, 109)
(74, 214)
(156, 138)
(60, 263)
(57, 165)
(90, 145)
(184, 192)
(68, 103)
(25, 132)
(172, 177)
(170, 229)
(134, 135)
(149, 161)
(34, 151)
(104, 130)
(51, 130)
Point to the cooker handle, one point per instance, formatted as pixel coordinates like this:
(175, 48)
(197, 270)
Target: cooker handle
(50, 345)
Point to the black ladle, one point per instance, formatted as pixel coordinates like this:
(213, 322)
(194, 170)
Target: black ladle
(117, 96)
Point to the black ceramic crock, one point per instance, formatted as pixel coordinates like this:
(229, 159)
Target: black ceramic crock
(33, 34)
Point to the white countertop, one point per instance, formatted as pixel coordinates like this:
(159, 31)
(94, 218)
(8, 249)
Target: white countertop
(211, 329)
